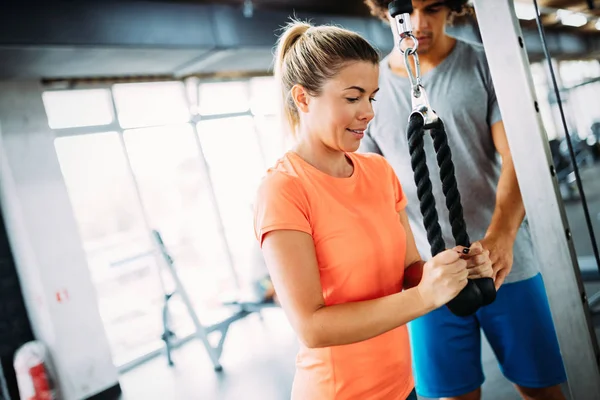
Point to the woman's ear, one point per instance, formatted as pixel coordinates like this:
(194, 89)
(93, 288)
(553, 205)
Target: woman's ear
(300, 97)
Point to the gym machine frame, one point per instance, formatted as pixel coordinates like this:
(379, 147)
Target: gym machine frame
(509, 66)
(165, 262)
(201, 331)
(240, 308)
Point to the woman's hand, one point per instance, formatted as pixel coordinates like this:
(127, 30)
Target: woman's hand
(478, 260)
(444, 276)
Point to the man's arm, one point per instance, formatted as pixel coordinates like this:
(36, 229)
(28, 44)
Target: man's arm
(508, 213)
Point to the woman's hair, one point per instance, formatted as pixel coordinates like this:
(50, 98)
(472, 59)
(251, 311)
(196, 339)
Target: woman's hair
(310, 55)
(458, 9)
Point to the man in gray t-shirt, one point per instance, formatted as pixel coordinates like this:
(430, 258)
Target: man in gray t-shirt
(446, 348)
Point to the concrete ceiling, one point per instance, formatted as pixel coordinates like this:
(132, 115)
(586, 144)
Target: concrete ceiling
(129, 38)
(590, 8)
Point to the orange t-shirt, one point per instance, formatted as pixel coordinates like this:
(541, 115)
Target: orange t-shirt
(360, 246)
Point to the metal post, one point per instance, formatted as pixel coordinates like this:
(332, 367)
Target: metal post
(504, 46)
(201, 332)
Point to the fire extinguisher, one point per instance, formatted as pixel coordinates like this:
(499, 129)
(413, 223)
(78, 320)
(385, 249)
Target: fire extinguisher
(34, 375)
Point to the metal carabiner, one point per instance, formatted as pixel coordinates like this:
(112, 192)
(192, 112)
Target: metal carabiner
(420, 102)
(400, 11)
(414, 76)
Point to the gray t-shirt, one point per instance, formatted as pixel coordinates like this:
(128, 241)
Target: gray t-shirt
(461, 92)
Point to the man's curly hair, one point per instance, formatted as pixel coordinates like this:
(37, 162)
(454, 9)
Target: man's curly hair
(459, 9)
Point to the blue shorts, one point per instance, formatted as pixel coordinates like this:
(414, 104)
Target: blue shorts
(446, 349)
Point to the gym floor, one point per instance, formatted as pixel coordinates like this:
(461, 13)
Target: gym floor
(258, 356)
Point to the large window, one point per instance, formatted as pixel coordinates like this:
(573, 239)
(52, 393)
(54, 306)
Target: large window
(114, 235)
(192, 177)
(176, 194)
(236, 166)
(238, 149)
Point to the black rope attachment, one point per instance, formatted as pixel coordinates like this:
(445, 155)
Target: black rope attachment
(424, 192)
(478, 292)
(450, 189)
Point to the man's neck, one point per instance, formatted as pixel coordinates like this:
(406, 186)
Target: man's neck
(427, 61)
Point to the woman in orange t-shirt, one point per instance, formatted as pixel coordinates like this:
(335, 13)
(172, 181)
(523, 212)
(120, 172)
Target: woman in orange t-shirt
(334, 233)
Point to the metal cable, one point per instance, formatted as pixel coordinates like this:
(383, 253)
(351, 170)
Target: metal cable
(584, 204)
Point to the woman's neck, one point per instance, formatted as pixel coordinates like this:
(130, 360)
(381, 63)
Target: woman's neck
(332, 162)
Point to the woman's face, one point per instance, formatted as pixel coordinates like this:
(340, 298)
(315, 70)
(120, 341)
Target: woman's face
(339, 116)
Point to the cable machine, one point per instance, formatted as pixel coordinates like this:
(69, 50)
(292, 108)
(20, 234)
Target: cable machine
(509, 66)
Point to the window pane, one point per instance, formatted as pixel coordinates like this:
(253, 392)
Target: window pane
(265, 97)
(116, 241)
(577, 71)
(583, 105)
(150, 104)
(73, 108)
(175, 191)
(223, 98)
(236, 167)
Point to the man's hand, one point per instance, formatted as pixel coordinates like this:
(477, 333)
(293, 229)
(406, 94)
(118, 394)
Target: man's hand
(501, 255)
(508, 213)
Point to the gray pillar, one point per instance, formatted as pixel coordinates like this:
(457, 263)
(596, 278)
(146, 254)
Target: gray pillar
(527, 139)
(48, 252)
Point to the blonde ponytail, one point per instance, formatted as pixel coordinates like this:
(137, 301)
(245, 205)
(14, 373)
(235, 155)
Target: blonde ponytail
(309, 55)
(293, 32)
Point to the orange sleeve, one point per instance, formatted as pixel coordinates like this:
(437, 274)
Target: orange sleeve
(401, 200)
(280, 204)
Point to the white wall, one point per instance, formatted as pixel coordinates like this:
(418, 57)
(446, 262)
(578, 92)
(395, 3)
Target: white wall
(47, 247)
